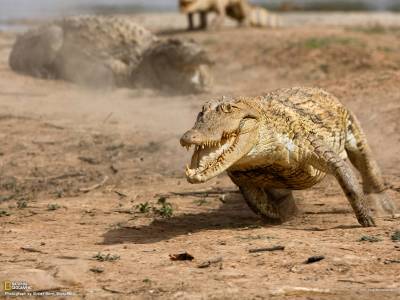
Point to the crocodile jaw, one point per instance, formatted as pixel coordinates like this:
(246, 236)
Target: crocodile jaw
(211, 158)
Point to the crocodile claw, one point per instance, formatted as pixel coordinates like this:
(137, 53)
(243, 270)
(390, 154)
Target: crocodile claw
(366, 221)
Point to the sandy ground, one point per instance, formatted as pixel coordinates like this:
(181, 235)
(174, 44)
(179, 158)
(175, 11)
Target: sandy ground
(84, 175)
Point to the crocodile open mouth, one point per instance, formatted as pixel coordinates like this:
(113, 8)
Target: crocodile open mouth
(211, 158)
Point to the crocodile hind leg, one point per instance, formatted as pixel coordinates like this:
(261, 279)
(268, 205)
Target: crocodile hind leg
(274, 206)
(360, 156)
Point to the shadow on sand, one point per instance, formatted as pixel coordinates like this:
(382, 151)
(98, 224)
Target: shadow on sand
(234, 213)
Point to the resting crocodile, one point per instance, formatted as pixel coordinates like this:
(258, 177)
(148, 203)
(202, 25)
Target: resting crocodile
(110, 51)
(285, 140)
(240, 10)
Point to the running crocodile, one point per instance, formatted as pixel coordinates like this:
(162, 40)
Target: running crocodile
(285, 140)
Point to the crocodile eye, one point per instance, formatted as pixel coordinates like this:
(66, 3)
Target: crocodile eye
(225, 107)
(228, 107)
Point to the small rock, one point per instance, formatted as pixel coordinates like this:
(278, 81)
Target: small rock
(268, 249)
(97, 270)
(209, 262)
(181, 256)
(313, 259)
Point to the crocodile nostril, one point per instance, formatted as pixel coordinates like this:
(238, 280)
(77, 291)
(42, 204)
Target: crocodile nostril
(191, 137)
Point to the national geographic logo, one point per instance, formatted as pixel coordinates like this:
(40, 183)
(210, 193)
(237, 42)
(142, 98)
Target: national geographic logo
(23, 289)
(10, 286)
(7, 286)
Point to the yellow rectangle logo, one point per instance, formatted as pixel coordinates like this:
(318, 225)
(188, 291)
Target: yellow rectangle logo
(7, 286)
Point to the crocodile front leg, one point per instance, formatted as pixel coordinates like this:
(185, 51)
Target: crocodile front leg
(325, 159)
(260, 203)
(273, 205)
(283, 200)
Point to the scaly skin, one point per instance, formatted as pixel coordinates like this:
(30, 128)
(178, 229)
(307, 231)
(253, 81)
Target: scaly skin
(110, 51)
(285, 140)
(240, 10)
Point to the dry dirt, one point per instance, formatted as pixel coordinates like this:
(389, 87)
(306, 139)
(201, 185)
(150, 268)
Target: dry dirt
(78, 167)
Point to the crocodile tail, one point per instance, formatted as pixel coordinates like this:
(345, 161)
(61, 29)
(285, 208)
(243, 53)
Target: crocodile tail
(260, 17)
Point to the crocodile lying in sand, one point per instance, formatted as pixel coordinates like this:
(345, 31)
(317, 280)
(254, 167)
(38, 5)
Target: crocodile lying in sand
(285, 140)
(240, 10)
(110, 51)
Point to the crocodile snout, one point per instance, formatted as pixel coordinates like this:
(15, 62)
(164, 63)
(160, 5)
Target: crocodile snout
(192, 137)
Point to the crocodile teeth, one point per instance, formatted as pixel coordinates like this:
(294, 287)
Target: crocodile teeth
(209, 157)
(190, 172)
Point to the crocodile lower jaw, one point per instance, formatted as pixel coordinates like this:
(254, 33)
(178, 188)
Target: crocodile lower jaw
(210, 159)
